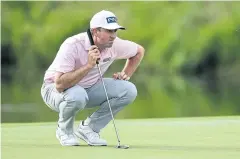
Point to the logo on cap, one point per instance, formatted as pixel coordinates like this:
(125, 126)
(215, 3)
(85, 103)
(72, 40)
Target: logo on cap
(111, 20)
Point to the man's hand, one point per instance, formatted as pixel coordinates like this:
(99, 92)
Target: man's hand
(93, 55)
(121, 76)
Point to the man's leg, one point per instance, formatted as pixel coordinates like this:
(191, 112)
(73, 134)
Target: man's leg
(67, 104)
(74, 100)
(120, 94)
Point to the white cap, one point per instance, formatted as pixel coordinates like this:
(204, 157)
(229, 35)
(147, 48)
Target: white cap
(105, 19)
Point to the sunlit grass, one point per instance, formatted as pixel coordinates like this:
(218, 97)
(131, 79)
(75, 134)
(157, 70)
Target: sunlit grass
(198, 138)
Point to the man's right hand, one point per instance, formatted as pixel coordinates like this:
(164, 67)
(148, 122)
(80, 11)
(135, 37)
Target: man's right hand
(93, 55)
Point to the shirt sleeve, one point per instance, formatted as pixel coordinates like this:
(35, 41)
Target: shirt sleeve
(124, 49)
(66, 58)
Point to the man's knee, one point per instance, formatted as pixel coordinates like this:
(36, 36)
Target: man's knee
(76, 96)
(131, 91)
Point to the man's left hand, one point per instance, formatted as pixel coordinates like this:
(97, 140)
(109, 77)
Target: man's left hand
(121, 76)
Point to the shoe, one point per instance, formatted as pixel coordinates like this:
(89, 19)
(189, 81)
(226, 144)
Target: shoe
(66, 139)
(92, 138)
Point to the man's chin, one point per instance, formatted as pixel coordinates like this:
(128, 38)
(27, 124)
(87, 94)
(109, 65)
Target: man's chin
(109, 45)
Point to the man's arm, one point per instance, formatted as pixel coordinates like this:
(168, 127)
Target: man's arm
(69, 79)
(133, 62)
(66, 80)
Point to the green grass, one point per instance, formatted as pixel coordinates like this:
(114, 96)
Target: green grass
(187, 138)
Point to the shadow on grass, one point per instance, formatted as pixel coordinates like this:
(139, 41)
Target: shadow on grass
(45, 145)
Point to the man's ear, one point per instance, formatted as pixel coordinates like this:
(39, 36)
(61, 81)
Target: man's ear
(94, 31)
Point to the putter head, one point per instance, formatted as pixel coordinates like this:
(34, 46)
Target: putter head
(122, 146)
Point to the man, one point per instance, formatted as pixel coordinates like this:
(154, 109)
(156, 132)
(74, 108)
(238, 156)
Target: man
(72, 81)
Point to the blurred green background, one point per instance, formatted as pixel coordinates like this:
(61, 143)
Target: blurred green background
(191, 66)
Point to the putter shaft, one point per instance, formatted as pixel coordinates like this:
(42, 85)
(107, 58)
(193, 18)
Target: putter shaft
(100, 72)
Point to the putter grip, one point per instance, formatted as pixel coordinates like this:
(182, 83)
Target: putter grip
(91, 40)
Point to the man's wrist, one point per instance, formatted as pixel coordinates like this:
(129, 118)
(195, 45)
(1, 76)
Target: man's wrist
(88, 66)
(128, 78)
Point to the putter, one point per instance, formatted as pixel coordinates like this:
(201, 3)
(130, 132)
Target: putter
(100, 73)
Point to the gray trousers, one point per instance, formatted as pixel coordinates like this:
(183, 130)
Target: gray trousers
(71, 101)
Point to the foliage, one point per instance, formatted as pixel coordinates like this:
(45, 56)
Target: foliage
(173, 33)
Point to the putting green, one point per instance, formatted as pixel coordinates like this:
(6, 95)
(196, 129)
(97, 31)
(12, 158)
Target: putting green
(173, 138)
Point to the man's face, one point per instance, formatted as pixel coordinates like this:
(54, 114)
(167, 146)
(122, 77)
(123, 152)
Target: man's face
(105, 37)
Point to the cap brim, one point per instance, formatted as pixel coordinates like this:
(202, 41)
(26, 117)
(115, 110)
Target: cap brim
(114, 26)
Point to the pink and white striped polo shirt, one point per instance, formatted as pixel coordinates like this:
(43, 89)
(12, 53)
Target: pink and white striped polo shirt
(73, 53)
